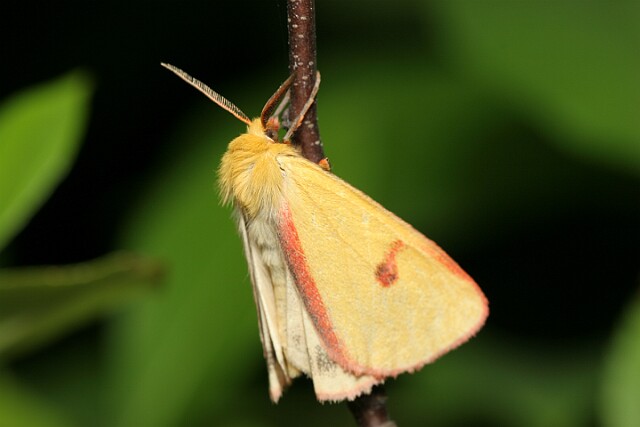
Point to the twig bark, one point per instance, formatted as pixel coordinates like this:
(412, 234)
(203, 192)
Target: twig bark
(368, 410)
(303, 64)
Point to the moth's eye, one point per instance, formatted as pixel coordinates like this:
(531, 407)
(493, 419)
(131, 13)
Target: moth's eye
(272, 133)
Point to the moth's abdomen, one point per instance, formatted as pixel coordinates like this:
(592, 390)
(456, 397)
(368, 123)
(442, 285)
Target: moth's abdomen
(263, 235)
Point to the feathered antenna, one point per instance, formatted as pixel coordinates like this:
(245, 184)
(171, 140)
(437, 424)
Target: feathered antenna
(209, 93)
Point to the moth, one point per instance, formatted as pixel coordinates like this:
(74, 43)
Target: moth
(346, 292)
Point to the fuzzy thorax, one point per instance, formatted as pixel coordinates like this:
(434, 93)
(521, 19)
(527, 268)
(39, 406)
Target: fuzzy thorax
(249, 174)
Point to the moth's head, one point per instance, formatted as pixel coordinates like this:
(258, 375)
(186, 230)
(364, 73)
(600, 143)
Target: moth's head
(268, 129)
(272, 127)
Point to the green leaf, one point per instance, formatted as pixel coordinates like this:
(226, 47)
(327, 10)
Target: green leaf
(40, 132)
(38, 304)
(193, 343)
(573, 66)
(621, 383)
(417, 155)
(443, 157)
(20, 408)
(503, 383)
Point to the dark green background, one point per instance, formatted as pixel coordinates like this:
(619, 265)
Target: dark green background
(508, 132)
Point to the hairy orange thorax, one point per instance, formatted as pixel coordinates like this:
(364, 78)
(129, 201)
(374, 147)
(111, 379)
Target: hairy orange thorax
(249, 174)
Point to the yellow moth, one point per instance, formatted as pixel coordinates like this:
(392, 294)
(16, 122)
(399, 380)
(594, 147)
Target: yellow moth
(346, 292)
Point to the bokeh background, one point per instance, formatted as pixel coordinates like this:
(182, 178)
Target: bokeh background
(509, 132)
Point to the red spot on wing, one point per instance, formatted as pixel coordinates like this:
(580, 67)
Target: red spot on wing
(387, 270)
(297, 262)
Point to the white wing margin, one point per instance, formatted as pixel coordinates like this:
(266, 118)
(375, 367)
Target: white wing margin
(264, 298)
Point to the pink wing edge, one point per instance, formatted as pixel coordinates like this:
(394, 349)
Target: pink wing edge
(335, 348)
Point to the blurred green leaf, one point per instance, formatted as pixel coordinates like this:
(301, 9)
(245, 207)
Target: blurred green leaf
(501, 382)
(445, 157)
(202, 328)
(19, 408)
(38, 304)
(425, 137)
(573, 66)
(40, 131)
(621, 382)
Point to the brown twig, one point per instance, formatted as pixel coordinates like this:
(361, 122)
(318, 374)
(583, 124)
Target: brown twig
(369, 410)
(303, 64)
